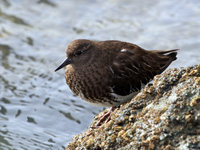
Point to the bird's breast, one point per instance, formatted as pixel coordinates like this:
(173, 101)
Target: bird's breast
(91, 84)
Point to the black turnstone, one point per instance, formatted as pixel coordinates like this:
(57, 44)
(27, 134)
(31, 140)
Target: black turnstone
(109, 73)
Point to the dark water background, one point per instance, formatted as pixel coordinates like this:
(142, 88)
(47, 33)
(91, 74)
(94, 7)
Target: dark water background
(37, 109)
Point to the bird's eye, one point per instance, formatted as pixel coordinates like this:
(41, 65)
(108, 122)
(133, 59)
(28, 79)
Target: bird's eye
(78, 53)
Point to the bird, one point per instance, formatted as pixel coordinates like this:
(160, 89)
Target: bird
(110, 73)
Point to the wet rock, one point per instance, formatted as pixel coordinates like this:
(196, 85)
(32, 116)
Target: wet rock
(164, 115)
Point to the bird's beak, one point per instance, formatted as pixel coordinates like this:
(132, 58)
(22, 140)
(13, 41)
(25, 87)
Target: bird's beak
(66, 62)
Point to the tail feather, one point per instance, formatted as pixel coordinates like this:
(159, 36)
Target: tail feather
(166, 52)
(166, 58)
(170, 53)
(173, 55)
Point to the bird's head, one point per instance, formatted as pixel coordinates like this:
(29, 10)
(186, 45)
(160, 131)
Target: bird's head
(79, 53)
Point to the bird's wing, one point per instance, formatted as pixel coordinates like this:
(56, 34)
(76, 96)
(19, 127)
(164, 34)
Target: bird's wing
(131, 71)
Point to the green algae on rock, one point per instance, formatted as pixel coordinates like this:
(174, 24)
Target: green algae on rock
(164, 115)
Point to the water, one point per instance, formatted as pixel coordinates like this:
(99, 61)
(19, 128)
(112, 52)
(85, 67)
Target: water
(37, 109)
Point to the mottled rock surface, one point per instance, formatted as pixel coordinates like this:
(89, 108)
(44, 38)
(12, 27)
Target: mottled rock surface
(164, 115)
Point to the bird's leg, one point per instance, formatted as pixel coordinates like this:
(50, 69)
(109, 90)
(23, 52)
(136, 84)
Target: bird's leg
(107, 116)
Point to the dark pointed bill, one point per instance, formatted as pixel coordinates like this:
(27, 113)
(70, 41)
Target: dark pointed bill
(66, 62)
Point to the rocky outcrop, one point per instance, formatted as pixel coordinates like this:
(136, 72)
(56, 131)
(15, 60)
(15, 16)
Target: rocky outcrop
(164, 115)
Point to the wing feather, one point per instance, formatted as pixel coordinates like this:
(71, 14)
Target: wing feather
(133, 68)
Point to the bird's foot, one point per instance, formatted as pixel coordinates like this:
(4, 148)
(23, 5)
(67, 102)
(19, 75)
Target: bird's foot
(105, 117)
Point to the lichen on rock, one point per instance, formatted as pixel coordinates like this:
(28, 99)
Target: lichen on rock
(164, 115)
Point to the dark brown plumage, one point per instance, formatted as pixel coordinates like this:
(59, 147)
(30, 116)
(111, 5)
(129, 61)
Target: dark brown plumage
(109, 73)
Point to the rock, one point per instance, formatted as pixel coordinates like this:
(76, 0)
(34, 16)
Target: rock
(164, 115)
